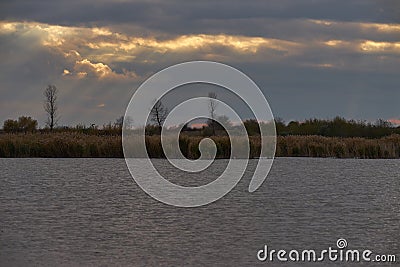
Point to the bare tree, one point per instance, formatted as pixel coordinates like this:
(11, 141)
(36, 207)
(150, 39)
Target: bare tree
(51, 106)
(212, 105)
(119, 122)
(158, 114)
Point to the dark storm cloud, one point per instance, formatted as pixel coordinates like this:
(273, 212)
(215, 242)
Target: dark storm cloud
(311, 58)
(274, 19)
(185, 16)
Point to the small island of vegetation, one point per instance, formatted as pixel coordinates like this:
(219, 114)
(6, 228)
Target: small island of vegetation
(337, 137)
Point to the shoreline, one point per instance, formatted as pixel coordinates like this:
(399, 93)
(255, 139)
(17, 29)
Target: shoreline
(278, 157)
(79, 145)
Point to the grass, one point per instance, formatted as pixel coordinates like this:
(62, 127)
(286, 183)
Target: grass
(73, 144)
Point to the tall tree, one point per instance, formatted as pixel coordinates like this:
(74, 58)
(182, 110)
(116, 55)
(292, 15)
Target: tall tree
(158, 114)
(212, 105)
(51, 105)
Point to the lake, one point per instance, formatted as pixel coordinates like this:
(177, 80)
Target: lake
(84, 212)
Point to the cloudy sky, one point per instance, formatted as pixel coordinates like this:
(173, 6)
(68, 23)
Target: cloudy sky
(310, 58)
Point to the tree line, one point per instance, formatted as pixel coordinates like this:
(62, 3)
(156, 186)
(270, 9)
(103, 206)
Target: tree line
(336, 127)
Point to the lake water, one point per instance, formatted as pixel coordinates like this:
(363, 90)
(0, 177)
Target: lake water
(90, 212)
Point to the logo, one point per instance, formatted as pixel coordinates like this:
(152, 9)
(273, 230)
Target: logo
(339, 254)
(146, 104)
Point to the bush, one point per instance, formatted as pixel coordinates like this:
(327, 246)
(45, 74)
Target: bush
(23, 124)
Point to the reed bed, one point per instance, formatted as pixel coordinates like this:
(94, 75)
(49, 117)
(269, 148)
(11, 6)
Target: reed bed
(66, 144)
(353, 147)
(57, 145)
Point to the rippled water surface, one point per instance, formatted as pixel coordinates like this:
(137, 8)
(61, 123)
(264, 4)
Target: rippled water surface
(90, 212)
